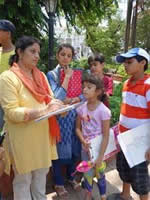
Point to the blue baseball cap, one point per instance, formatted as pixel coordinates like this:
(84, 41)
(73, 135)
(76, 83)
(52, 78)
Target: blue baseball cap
(6, 25)
(132, 53)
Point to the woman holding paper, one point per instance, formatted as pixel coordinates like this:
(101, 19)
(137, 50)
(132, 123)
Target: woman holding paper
(29, 146)
(66, 84)
(93, 121)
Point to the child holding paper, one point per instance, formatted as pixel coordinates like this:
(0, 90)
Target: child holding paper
(135, 111)
(93, 120)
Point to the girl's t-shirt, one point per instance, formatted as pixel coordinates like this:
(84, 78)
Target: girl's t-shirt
(91, 121)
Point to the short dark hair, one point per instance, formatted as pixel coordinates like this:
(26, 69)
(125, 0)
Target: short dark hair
(96, 57)
(7, 25)
(97, 82)
(66, 45)
(139, 59)
(22, 43)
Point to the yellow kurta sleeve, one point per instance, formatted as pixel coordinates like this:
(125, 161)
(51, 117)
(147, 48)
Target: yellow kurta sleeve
(9, 100)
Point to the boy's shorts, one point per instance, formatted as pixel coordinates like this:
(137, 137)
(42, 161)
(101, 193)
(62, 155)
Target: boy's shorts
(137, 176)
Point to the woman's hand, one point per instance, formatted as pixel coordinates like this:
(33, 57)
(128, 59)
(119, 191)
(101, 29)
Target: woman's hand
(68, 72)
(72, 100)
(54, 105)
(67, 100)
(56, 101)
(75, 100)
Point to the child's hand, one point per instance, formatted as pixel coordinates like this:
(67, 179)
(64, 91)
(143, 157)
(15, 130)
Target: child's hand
(86, 145)
(98, 162)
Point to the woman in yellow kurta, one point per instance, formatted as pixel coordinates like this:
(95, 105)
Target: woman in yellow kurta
(24, 96)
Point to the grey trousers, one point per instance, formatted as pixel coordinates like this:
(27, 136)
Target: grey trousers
(30, 186)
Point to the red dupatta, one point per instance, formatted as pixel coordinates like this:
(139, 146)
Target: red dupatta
(38, 87)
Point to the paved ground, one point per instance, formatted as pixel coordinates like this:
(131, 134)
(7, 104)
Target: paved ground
(113, 186)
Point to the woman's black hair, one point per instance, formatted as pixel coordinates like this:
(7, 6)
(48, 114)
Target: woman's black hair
(66, 45)
(97, 82)
(22, 43)
(139, 59)
(97, 57)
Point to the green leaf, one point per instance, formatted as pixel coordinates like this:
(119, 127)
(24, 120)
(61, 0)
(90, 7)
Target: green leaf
(1, 2)
(19, 3)
(32, 3)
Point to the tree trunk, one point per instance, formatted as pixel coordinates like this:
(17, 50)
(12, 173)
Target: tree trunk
(134, 19)
(127, 33)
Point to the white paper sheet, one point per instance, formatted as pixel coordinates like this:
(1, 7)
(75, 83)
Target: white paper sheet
(95, 144)
(59, 111)
(134, 144)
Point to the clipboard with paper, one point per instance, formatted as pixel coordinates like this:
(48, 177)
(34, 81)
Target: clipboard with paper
(134, 144)
(95, 145)
(59, 111)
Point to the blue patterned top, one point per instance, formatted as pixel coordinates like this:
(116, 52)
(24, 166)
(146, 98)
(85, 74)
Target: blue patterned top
(70, 144)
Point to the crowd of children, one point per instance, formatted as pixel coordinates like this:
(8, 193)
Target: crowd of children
(92, 119)
(135, 111)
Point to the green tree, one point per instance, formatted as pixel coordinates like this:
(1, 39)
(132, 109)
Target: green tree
(85, 9)
(107, 39)
(143, 27)
(25, 14)
(29, 17)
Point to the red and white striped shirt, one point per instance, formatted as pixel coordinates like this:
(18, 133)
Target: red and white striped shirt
(135, 108)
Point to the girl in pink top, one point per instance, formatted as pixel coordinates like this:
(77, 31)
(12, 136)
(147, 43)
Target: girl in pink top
(93, 119)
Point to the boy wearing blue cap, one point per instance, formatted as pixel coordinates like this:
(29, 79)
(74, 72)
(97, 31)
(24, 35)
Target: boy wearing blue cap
(135, 111)
(7, 28)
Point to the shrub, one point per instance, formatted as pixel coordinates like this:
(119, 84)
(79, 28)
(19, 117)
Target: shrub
(115, 102)
(116, 68)
(82, 63)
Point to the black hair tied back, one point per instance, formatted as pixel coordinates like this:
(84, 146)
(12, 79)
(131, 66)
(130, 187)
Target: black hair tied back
(12, 59)
(103, 97)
